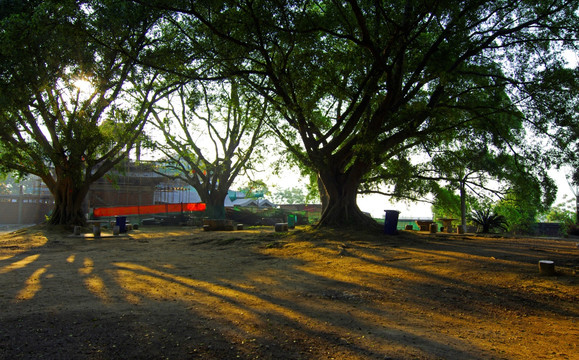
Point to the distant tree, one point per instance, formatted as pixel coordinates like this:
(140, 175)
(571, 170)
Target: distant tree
(255, 189)
(446, 203)
(574, 186)
(6, 184)
(211, 134)
(68, 113)
(563, 212)
(475, 173)
(16, 184)
(520, 209)
(293, 195)
(5, 189)
(310, 193)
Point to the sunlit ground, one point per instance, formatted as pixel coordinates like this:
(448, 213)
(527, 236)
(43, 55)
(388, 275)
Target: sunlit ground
(182, 293)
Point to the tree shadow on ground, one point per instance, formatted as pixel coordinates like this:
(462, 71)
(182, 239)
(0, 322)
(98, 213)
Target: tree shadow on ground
(195, 295)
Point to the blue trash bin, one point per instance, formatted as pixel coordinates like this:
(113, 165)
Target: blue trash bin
(121, 222)
(391, 221)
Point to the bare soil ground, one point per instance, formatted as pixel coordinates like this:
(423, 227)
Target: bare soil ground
(181, 293)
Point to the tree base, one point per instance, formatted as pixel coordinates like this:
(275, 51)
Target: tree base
(219, 225)
(347, 218)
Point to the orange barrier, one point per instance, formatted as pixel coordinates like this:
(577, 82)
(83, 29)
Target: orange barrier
(148, 209)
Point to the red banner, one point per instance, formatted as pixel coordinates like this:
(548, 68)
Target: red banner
(148, 209)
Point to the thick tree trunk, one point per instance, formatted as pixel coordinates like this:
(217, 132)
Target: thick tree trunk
(68, 198)
(340, 209)
(215, 208)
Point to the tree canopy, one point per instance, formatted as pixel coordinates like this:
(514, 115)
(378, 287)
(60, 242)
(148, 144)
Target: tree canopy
(67, 75)
(357, 83)
(357, 86)
(210, 132)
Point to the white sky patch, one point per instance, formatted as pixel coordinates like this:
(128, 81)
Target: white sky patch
(84, 86)
(572, 58)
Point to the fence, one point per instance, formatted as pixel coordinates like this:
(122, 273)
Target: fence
(25, 209)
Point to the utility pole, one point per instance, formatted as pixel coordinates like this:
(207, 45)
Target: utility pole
(20, 203)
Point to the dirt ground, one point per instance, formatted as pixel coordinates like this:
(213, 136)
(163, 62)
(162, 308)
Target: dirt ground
(181, 293)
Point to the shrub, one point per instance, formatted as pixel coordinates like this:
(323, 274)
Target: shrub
(488, 221)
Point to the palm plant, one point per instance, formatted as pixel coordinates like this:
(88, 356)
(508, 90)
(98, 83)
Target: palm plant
(488, 221)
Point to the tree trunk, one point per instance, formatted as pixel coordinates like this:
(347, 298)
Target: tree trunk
(463, 206)
(68, 198)
(323, 193)
(214, 206)
(340, 209)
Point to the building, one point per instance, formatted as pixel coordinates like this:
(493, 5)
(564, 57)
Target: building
(132, 184)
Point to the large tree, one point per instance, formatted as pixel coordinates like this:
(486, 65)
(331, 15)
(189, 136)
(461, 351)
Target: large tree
(68, 110)
(212, 133)
(357, 82)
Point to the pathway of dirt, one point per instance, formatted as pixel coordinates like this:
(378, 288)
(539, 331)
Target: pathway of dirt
(181, 293)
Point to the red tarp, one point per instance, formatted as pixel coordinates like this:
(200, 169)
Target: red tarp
(148, 209)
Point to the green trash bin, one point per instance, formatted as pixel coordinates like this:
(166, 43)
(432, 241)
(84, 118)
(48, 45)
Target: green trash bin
(291, 221)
